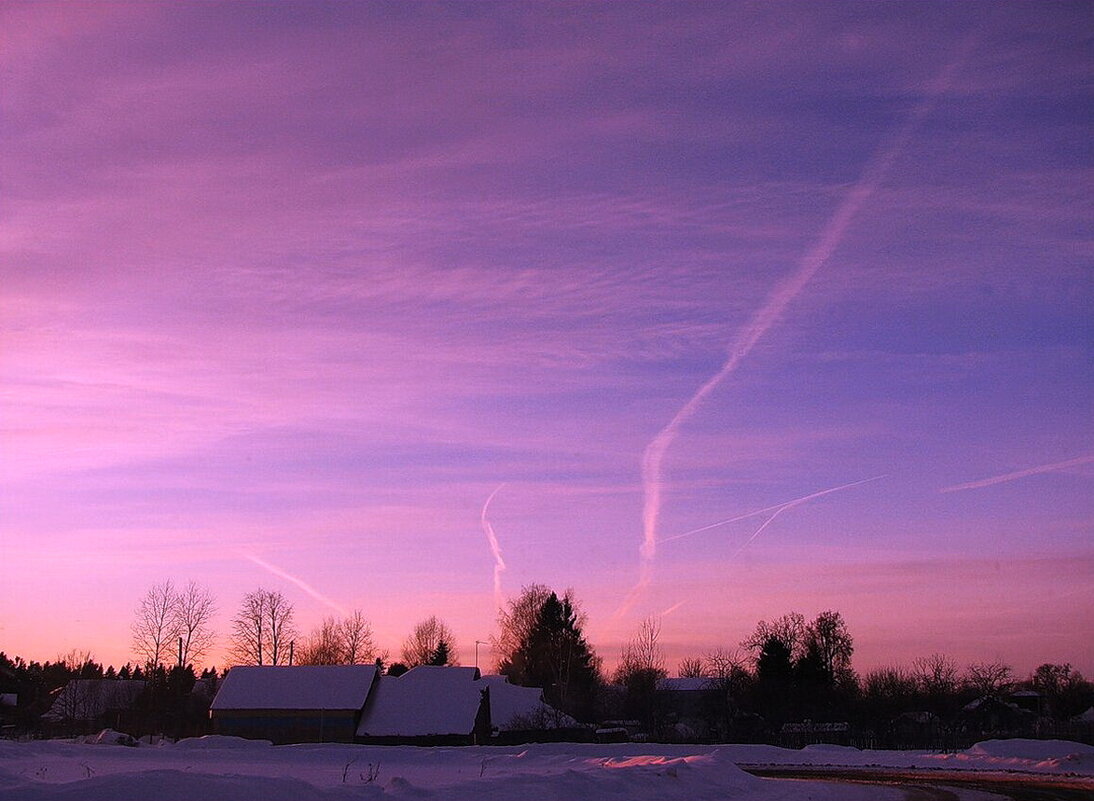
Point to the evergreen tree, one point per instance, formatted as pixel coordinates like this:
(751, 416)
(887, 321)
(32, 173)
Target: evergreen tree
(774, 679)
(556, 656)
(440, 656)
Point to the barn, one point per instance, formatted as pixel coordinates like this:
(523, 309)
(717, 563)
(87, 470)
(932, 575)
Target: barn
(312, 703)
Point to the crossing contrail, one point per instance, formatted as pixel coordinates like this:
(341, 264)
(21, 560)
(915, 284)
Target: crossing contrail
(767, 315)
(491, 537)
(1031, 471)
(277, 571)
(776, 508)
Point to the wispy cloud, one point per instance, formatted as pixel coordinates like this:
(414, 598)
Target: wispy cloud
(1029, 471)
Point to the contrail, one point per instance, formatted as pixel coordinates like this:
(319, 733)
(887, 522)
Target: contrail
(768, 314)
(314, 593)
(672, 608)
(491, 537)
(777, 508)
(1031, 471)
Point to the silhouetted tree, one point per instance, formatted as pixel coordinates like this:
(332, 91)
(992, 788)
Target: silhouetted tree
(775, 678)
(323, 646)
(263, 629)
(516, 622)
(991, 679)
(338, 642)
(556, 656)
(192, 615)
(167, 617)
(641, 667)
(155, 627)
(936, 678)
(440, 656)
(421, 646)
(830, 643)
(1064, 689)
(357, 642)
(691, 668)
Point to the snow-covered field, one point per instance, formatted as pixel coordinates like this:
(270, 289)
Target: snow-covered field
(213, 768)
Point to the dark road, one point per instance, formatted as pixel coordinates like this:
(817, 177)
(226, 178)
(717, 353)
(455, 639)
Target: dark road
(940, 785)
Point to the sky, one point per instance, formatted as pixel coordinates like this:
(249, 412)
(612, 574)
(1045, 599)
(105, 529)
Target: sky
(290, 291)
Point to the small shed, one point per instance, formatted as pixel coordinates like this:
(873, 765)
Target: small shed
(306, 703)
(428, 705)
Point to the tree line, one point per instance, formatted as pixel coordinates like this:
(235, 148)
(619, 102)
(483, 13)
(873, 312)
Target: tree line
(789, 669)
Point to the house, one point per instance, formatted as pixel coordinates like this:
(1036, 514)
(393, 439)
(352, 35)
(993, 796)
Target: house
(989, 716)
(687, 704)
(94, 703)
(312, 703)
(520, 715)
(428, 705)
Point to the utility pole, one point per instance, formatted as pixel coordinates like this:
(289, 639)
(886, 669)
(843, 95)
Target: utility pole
(477, 644)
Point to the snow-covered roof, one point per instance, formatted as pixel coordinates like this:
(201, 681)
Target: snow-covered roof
(300, 687)
(513, 707)
(425, 701)
(684, 684)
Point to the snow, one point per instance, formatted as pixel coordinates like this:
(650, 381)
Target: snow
(333, 687)
(215, 768)
(424, 701)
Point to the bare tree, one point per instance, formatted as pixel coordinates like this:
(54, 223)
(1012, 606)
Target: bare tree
(421, 647)
(641, 668)
(191, 617)
(357, 642)
(729, 681)
(324, 646)
(155, 628)
(789, 630)
(827, 636)
(77, 662)
(936, 675)
(516, 623)
(723, 665)
(988, 678)
(691, 668)
(263, 629)
(643, 656)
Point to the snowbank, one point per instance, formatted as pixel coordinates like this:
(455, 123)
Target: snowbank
(1028, 749)
(215, 768)
(218, 741)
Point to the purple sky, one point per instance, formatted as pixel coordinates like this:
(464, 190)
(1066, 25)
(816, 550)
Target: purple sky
(301, 285)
